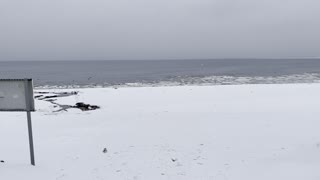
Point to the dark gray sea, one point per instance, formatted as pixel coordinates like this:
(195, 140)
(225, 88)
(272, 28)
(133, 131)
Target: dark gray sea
(163, 72)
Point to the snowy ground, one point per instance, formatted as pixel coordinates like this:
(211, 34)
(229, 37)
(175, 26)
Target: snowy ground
(238, 132)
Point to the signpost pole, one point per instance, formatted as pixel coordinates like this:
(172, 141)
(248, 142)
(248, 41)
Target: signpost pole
(26, 85)
(30, 138)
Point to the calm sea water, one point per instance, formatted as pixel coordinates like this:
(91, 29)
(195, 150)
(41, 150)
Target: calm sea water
(83, 73)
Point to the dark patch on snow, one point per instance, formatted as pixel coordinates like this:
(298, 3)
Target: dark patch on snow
(56, 95)
(174, 159)
(63, 107)
(86, 107)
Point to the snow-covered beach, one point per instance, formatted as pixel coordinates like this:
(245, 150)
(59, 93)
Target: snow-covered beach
(181, 132)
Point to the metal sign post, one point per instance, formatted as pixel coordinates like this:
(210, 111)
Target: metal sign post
(28, 104)
(17, 95)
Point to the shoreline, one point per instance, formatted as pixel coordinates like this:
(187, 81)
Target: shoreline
(204, 81)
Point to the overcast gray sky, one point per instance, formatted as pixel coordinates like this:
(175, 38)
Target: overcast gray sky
(158, 29)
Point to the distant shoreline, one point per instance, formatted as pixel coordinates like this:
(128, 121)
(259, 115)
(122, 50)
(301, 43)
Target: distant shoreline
(206, 81)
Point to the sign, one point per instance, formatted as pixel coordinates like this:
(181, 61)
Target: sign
(17, 95)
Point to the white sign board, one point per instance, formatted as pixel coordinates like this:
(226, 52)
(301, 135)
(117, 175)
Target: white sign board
(16, 95)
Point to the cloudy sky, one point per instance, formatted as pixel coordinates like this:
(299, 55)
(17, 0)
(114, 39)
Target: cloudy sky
(158, 29)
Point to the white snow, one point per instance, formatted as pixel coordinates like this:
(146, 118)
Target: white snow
(236, 132)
